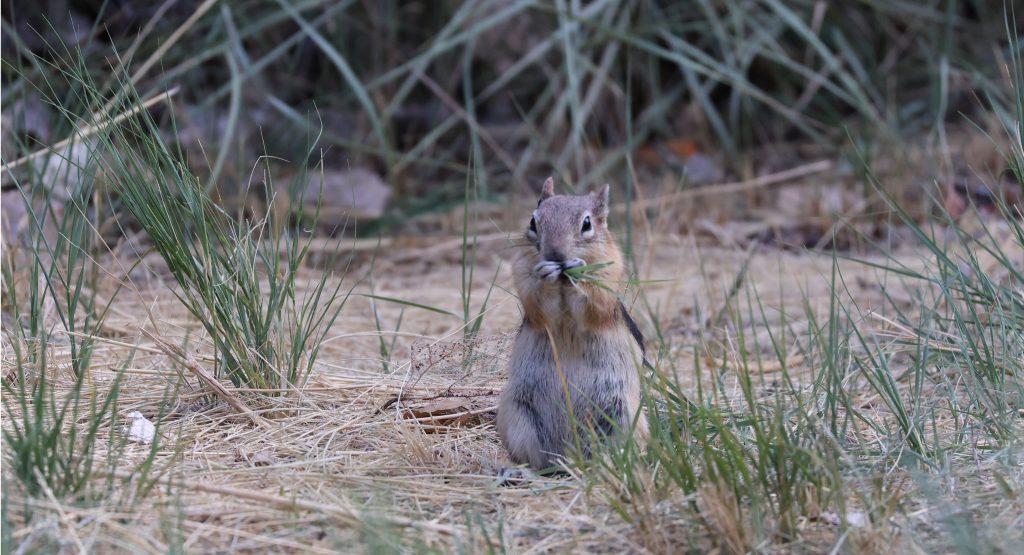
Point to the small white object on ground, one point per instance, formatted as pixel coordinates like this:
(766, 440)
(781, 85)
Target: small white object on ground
(141, 430)
(854, 519)
(857, 519)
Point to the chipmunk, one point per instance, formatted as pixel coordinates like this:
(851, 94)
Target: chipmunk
(577, 338)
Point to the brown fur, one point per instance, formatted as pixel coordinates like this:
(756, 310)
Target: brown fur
(575, 343)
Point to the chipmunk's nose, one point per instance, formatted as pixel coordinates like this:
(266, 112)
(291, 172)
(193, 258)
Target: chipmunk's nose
(552, 255)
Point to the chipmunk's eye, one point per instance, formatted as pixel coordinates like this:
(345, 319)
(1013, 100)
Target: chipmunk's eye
(586, 224)
(533, 225)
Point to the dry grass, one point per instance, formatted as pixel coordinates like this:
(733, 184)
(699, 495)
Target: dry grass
(345, 461)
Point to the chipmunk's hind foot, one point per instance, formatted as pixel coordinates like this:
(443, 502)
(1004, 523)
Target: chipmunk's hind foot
(511, 476)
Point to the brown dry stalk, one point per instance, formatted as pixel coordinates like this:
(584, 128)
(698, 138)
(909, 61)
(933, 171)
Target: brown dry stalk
(735, 363)
(345, 515)
(784, 176)
(329, 244)
(725, 517)
(204, 376)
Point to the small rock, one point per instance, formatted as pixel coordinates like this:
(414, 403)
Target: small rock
(19, 225)
(26, 119)
(701, 169)
(357, 193)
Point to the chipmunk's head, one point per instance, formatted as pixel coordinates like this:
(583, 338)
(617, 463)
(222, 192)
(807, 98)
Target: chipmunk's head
(567, 230)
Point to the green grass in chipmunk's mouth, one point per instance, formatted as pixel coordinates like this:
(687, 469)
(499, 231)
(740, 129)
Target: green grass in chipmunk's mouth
(585, 272)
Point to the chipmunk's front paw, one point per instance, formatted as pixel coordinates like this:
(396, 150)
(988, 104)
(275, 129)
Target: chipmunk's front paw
(548, 270)
(574, 263)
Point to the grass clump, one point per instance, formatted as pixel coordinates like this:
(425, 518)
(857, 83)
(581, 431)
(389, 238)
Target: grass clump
(51, 440)
(750, 462)
(237, 276)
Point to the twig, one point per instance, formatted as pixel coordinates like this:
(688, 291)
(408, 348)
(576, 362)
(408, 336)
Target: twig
(144, 33)
(90, 130)
(438, 419)
(735, 187)
(159, 53)
(206, 378)
(329, 244)
(116, 343)
(344, 514)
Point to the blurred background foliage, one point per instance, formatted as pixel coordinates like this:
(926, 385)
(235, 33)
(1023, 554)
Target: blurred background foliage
(407, 98)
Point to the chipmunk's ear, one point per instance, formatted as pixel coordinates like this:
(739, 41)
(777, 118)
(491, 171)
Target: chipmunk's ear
(547, 191)
(600, 195)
